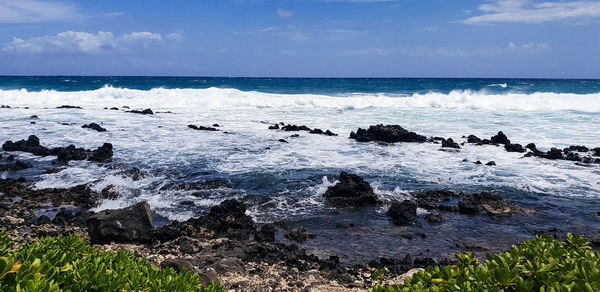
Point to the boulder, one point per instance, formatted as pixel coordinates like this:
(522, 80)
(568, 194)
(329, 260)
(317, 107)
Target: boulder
(403, 213)
(94, 126)
(229, 219)
(387, 133)
(102, 154)
(144, 112)
(69, 153)
(500, 138)
(514, 148)
(473, 139)
(131, 224)
(202, 128)
(351, 190)
(449, 143)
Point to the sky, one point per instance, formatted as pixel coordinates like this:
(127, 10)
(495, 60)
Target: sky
(302, 38)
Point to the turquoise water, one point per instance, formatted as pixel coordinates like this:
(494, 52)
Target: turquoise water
(286, 181)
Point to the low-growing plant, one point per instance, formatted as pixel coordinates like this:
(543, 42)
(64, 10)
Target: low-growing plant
(539, 264)
(69, 264)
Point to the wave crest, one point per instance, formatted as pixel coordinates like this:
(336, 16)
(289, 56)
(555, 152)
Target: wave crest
(163, 98)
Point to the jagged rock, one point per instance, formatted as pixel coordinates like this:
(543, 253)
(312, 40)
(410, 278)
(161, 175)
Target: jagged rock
(500, 138)
(387, 133)
(449, 143)
(514, 148)
(131, 224)
(202, 128)
(403, 213)
(531, 146)
(283, 141)
(229, 218)
(64, 154)
(102, 154)
(351, 190)
(491, 163)
(94, 126)
(71, 153)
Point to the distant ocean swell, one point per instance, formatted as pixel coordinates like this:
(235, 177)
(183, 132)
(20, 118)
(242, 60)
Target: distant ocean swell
(233, 98)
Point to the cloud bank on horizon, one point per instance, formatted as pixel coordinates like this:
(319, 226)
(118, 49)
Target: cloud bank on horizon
(379, 38)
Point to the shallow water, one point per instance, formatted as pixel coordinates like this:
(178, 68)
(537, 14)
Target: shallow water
(287, 180)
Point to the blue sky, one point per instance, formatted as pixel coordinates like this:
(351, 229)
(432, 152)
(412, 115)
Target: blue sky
(313, 38)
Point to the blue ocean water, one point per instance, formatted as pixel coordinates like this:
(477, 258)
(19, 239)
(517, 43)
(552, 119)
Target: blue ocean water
(287, 180)
(327, 86)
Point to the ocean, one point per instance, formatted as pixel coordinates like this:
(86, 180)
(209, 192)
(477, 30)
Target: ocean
(285, 181)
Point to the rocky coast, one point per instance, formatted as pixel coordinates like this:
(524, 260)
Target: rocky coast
(225, 244)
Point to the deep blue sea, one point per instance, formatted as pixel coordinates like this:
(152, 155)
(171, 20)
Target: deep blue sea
(287, 180)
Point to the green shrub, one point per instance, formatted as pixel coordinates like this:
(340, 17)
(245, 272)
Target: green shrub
(540, 264)
(69, 264)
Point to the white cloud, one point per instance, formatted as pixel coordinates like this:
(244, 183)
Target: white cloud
(175, 36)
(140, 36)
(82, 42)
(530, 46)
(528, 11)
(284, 13)
(34, 11)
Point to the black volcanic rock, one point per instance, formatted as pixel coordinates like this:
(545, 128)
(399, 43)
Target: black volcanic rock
(69, 106)
(531, 146)
(351, 190)
(31, 145)
(500, 138)
(63, 154)
(449, 143)
(387, 133)
(94, 126)
(514, 148)
(102, 154)
(131, 224)
(473, 139)
(403, 213)
(143, 112)
(202, 128)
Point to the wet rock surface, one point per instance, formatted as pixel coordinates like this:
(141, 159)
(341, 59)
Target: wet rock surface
(94, 126)
(576, 153)
(128, 225)
(295, 128)
(63, 154)
(403, 213)
(387, 133)
(351, 190)
(142, 112)
(69, 107)
(202, 128)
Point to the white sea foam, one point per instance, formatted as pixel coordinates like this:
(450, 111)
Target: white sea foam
(216, 98)
(162, 145)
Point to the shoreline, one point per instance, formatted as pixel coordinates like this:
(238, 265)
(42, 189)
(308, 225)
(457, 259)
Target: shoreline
(246, 257)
